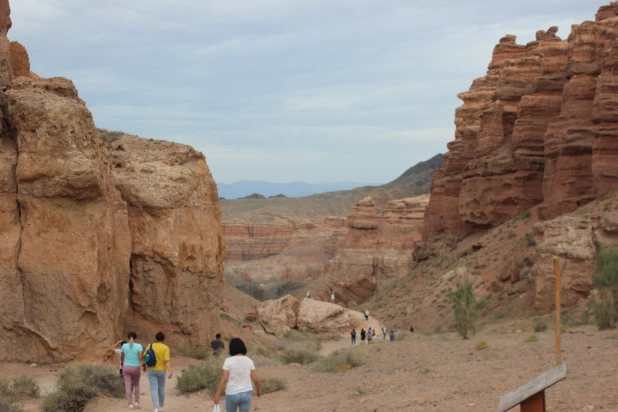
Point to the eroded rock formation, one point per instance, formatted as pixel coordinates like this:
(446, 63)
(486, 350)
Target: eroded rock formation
(539, 128)
(246, 241)
(323, 317)
(278, 316)
(78, 262)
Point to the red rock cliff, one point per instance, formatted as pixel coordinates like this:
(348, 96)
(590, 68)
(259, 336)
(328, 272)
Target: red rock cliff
(539, 128)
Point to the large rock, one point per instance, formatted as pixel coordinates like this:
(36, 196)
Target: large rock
(177, 247)
(65, 242)
(278, 317)
(20, 61)
(323, 317)
(539, 128)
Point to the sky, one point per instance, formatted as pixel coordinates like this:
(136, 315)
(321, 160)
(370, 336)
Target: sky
(282, 90)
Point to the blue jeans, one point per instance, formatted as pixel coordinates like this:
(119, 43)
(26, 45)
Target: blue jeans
(157, 387)
(239, 401)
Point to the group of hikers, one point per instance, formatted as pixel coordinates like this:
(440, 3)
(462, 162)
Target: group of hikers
(371, 334)
(238, 372)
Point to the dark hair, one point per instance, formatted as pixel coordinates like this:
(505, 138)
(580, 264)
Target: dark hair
(160, 336)
(237, 346)
(132, 335)
(218, 336)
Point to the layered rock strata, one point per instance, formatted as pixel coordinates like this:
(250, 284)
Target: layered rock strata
(539, 128)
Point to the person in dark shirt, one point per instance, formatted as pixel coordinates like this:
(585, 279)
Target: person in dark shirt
(217, 345)
(363, 334)
(392, 336)
(353, 335)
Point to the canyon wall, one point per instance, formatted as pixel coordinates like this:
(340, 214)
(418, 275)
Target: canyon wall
(538, 129)
(87, 254)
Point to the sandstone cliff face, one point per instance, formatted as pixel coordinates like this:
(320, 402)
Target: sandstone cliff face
(246, 241)
(177, 248)
(539, 128)
(78, 264)
(377, 248)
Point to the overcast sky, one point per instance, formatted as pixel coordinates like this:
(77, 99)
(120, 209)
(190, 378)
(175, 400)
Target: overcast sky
(282, 90)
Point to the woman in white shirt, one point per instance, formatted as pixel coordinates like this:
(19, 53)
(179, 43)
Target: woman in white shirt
(238, 372)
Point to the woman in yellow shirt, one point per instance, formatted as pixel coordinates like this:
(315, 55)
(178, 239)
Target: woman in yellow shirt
(156, 374)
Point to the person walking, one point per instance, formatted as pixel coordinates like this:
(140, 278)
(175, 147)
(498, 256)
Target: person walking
(332, 297)
(392, 336)
(353, 334)
(156, 374)
(238, 372)
(383, 332)
(217, 345)
(308, 295)
(369, 335)
(131, 356)
(363, 335)
(366, 314)
(117, 348)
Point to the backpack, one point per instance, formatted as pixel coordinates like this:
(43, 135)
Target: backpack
(150, 358)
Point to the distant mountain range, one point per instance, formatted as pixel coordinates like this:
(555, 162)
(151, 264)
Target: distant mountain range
(293, 189)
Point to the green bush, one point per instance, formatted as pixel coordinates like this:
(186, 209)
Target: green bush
(605, 280)
(301, 356)
(539, 325)
(20, 388)
(532, 338)
(195, 353)
(464, 307)
(338, 362)
(108, 136)
(78, 385)
(206, 375)
(270, 385)
(8, 406)
(482, 345)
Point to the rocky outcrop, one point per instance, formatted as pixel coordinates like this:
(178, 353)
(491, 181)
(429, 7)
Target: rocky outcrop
(20, 61)
(177, 248)
(537, 129)
(85, 253)
(323, 317)
(246, 241)
(278, 317)
(377, 248)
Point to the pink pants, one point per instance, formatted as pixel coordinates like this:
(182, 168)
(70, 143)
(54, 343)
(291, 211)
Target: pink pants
(131, 373)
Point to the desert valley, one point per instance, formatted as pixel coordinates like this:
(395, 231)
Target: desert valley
(103, 233)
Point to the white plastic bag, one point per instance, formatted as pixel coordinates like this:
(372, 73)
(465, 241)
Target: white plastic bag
(216, 409)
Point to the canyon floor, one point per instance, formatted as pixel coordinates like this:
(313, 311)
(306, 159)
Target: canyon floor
(438, 372)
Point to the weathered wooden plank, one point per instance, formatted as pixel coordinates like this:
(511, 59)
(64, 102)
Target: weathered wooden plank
(525, 391)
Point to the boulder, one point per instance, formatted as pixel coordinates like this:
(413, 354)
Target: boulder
(323, 317)
(251, 317)
(278, 317)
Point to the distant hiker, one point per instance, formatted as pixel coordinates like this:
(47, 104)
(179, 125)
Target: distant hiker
(156, 373)
(366, 314)
(369, 335)
(332, 297)
(398, 330)
(217, 345)
(383, 332)
(308, 295)
(363, 334)
(353, 334)
(132, 357)
(238, 372)
(412, 329)
(392, 336)
(117, 348)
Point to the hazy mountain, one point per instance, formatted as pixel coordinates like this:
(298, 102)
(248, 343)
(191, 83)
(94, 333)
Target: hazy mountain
(293, 189)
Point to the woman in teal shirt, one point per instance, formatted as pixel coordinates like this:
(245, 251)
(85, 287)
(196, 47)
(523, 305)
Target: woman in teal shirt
(131, 357)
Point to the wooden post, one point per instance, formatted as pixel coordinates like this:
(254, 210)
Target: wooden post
(558, 324)
(534, 404)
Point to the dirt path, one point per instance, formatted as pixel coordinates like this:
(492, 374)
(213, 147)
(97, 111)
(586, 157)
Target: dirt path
(425, 373)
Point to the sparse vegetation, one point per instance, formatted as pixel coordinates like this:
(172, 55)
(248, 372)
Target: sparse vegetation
(8, 406)
(300, 356)
(360, 390)
(109, 136)
(270, 385)
(539, 325)
(482, 304)
(606, 281)
(530, 240)
(338, 362)
(195, 378)
(328, 336)
(532, 338)
(20, 388)
(464, 307)
(195, 353)
(78, 385)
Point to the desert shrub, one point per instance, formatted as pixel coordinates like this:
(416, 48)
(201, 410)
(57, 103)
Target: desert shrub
(78, 385)
(270, 385)
(530, 240)
(482, 304)
(464, 307)
(539, 325)
(482, 345)
(20, 388)
(338, 362)
(605, 280)
(206, 375)
(8, 406)
(532, 338)
(195, 353)
(301, 356)
(108, 136)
